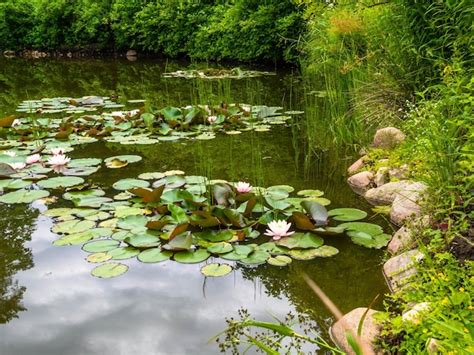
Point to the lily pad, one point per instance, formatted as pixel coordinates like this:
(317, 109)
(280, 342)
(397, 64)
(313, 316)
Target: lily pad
(301, 241)
(191, 257)
(255, 258)
(98, 257)
(220, 248)
(142, 240)
(123, 253)
(73, 226)
(23, 196)
(216, 270)
(109, 270)
(101, 245)
(154, 255)
(347, 214)
(127, 184)
(279, 260)
(60, 182)
(309, 254)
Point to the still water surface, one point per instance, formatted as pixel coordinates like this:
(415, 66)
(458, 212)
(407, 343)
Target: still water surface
(49, 303)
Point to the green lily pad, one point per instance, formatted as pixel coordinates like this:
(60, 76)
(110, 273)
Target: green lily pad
(101, 245)
(81, 194)
(123, 158)
(301, 241)
(216, 270)
(347, 214)
(151, 176)
(191, 257)
(309, 254)
(142, 240)
(82, 237)
(80, 163)
(220, 248)
(91, 201)
(279, 260)
(132, 222)
(240, 252)
(310, 193)
(369, 228)
(154, 255)
(14, 184)
(73, 226)
(123, 253)
(23, 196)
(98, 257)
(127, 184)
(369, 241)
(255, 258)
(109, 270)
(60, 182)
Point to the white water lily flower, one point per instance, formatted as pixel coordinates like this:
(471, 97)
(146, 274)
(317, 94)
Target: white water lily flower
(212, 119)
(17, 166)
(58, 151)
(58, 160)
(31, 159)
(9, 153)
(243, 187)
(278, 229)
(133, 112)
(16, 122)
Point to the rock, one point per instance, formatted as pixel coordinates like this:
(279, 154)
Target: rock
(386, 194)
(406, 203)
(131, 53)
(9, 54)
(381, 177)
(433, 347)
(359, 164)
(361, 182)
(415, 315)
(402, 239)
(398, 269)
(399, 173)
(350, 321)
(388, 138)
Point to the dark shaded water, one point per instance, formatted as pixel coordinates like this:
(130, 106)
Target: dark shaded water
(49, 303)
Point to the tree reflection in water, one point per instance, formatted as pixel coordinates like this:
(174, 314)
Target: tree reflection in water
(17, 225)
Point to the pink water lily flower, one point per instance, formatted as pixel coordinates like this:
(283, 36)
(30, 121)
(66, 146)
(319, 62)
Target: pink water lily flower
(58, 151)
(31, 159)
(243, 187)
(278, 229)
(58, 160)
(212, 119)
(17, 166)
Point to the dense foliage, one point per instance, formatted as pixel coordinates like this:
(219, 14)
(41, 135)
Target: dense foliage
(240, 30)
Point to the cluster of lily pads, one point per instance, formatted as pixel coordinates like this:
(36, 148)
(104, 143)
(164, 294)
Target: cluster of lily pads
(137, 126)
(162, 216)
(214, 73)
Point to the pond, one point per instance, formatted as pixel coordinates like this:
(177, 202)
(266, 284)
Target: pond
(50, 302)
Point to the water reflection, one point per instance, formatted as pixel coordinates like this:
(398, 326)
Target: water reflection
(18, 223)
(166, 308)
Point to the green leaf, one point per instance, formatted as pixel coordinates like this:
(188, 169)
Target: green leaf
(317, 212)
(220, 248)
(154, 255)
(100, 245)
(216, 270)
(180, 242)
(191, 257)
(142, 240)
(60, 182)
(347, 214)
(279, 260)
(301, 241)
(127, 184)
(123, 253)
(256, 257)
(308, 254)
(109, 270)
(73, 226)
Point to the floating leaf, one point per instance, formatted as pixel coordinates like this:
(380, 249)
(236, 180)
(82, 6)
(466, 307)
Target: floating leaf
(154, 255)
(98, 257)
(256, 257)
(127, 184)
(81, 194)
(123, 253)
(23, 196)
(100, 246)
(317, 211)
(301, 241)
(142, 240)
(220, 248)
(191, 257)
(279, 260)
(60, 182)
(91, 201)
(73, 226)
(310, 193)
(216, 270)
(308, 254)
(109, 270)
(347, 214)
(180, 242)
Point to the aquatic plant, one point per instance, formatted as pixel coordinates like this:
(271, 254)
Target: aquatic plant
(278, 229)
